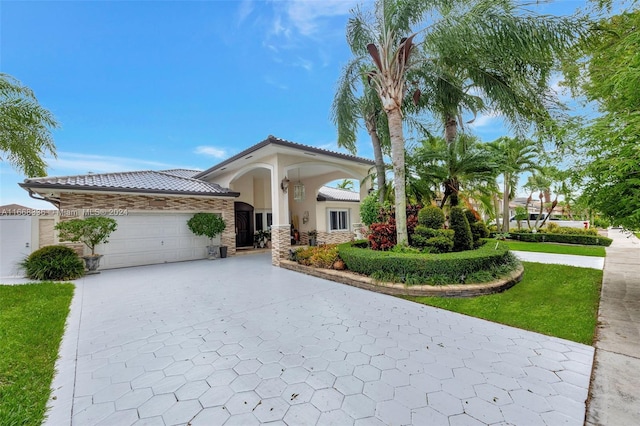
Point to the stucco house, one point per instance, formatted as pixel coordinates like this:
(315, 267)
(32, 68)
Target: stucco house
(274, 184)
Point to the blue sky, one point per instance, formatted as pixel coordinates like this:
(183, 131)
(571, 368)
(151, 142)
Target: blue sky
(166, 84)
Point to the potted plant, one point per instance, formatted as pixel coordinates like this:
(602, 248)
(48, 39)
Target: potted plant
(209, 225)
(90, 231)
(261, 238)
(313, 235)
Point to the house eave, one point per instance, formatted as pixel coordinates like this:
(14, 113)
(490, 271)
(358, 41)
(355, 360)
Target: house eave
(272, 140)
(137, 191)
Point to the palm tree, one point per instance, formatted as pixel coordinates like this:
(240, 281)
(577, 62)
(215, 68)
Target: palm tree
(514, 156)
(384, 40)
(345, 184)
(347, 110)
(540, 183)
(25, 128)
(502, 63)
(463, 163)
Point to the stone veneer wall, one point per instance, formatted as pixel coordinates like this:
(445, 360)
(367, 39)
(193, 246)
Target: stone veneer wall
(280, 243)
(336, 237)
(73, 204)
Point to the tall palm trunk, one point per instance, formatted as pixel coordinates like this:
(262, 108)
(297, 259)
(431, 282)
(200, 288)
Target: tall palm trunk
(505, 203)
(450, 129)
(496, 206)
(397, 156)
(371, 125)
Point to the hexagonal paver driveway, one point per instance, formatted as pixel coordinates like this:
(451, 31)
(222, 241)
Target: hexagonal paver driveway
(237, 341)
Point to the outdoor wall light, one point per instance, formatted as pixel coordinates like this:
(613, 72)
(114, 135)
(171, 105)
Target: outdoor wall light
(284, 184)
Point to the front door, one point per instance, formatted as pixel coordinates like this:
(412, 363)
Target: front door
(244, 225)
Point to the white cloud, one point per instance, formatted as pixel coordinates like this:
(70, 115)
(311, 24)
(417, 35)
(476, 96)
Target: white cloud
(211, 151)
(304, 63)
(306, 15)
(270, 81)
(245, 9)
(486, 119)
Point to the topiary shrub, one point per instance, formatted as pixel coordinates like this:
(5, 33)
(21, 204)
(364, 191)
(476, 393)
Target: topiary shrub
(431, 217)
(471, 216)
(462, 239)
(433, 240)
(478, 230)
(439, 245)
(53, 263)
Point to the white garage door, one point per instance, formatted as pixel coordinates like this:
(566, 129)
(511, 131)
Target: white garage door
(145, 239)
(15, 243)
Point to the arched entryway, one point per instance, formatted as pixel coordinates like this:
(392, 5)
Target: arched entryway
(244, 224)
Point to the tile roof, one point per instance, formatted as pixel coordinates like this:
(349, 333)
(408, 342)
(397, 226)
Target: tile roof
(327, 193)
(188, 173)
(272, 140)
(146, 181)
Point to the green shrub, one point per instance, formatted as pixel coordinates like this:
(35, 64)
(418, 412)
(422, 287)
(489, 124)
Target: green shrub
(462, 239)
(439, 244)
(600, 222)
(565, 230)
(551, 227)
(590, 240)
(317, 256)
(471, 216)
(431, 217)
(370, 209)
(479, 230)
(53, 263)
(425, 268)
(434, 240)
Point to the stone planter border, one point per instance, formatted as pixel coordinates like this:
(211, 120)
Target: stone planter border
(395, 289)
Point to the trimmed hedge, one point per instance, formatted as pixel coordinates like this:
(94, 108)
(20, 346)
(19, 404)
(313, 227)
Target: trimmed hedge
(449, 268)
(587, 240)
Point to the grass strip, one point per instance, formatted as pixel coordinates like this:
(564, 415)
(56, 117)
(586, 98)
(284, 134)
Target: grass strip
(595, 251)
(32, 318)
(556, 300)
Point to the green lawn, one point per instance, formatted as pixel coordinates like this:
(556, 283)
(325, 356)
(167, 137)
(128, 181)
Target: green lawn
(32, 318)
(597, 251)
(557, 300)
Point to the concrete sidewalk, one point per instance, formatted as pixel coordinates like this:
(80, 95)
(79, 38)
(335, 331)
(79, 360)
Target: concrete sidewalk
(561, 259)
(613, 396)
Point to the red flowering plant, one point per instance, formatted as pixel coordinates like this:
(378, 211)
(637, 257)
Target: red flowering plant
(382, 235)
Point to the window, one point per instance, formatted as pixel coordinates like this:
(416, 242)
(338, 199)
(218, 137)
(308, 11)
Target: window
(269, 220)
(259, 226)
(338, 220)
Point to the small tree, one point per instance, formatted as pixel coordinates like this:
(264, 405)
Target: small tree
(91, 231)
(207, 224)
(370, 209)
